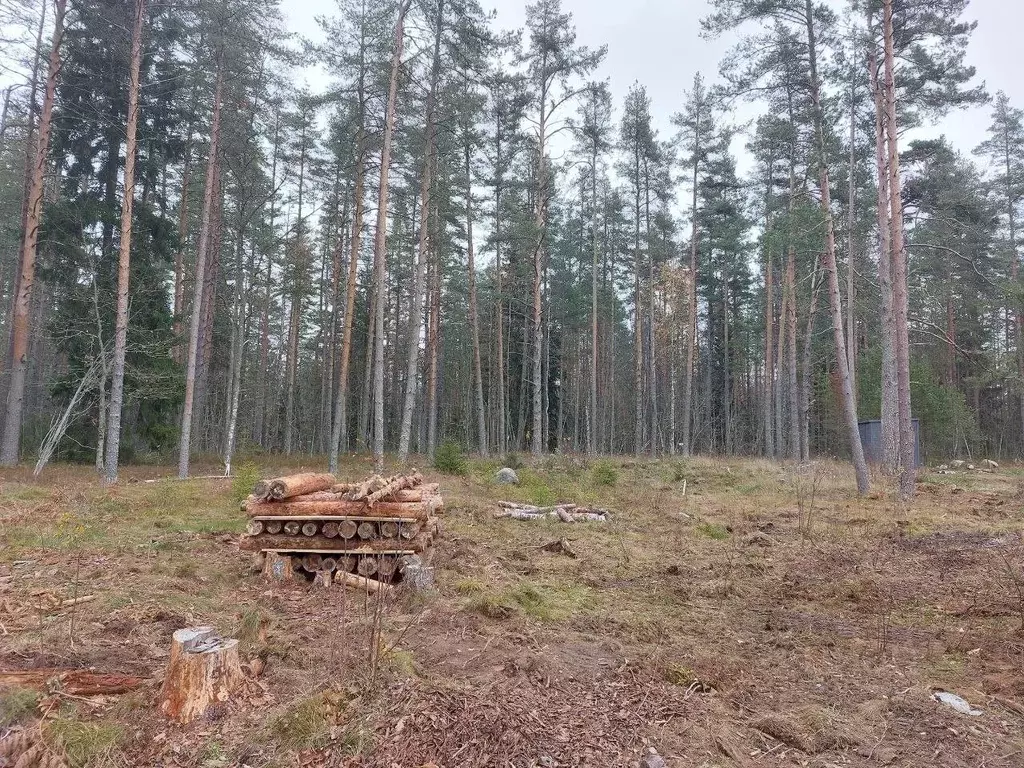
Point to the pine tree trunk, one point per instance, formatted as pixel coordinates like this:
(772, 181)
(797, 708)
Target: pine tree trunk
(908, 468)
(433, 340)
(473, 319)
(536, 443)
(835, 301)
(113, 445)
(11, 444)
(691, 341)
(416, 311)
(769, 353)
(804, 440)
(798, 449)
(185, 442)
(851, 200)
(889, 398)
(592, 408)
(380, 240)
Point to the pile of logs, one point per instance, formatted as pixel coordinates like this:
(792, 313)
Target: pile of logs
(324, 527)
(567, 513)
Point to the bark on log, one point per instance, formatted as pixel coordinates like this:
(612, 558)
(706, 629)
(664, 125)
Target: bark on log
(393, 485)
(365, 488)
(293, 485)
(204, 669)
(292, 544)
(351, 580)
(409, 510)
(276, 567)
(77, 682)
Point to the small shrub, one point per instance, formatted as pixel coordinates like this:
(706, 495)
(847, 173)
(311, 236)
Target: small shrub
(450, 459)
(17, 705)
(247, 474)
(713, 531)
(604, 474)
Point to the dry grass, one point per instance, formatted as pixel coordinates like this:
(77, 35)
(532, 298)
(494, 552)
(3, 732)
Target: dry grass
(765, 614)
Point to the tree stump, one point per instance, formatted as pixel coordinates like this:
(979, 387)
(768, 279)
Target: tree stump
(203, 669)
(277, 567)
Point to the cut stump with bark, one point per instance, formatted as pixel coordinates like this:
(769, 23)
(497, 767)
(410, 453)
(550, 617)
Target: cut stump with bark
(277, 567)
(204, 669)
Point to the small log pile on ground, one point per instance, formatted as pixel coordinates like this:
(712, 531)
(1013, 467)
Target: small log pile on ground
(312, 523)
(567, 513)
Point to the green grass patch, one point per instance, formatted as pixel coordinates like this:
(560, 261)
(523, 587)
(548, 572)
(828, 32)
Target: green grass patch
(544, 602)
(306, 724)
(713, 531)
(86, 745)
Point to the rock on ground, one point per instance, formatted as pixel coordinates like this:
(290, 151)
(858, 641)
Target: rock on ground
(507, 475)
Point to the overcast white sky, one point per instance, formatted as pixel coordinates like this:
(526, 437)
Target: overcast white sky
(658, 43)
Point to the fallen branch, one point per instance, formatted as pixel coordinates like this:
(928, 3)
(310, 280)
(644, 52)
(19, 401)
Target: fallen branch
(75, 682)
(567, 513)
(370, 585)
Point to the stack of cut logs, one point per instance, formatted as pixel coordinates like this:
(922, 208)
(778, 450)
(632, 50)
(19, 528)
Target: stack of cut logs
(322, 526)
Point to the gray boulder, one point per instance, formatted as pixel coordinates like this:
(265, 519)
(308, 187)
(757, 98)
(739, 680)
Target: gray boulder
(507, 476)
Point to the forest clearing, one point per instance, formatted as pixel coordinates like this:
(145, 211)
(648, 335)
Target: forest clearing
(730, 612)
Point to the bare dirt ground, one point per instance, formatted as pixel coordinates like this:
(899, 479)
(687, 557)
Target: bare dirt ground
(732, 613)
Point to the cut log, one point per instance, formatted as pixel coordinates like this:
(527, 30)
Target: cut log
(204, 669)
(76, 682)
(346, 563)
(386, 567)
(311, 562)
(367, 530)
(254, 528)
(367, 566)
(309, 529)
(330, 530)
(291, 527)
(347, 528)
(365, 488)
(410, 530)
(393, 485)
(262, 489)
(319, 544)
(295, 485)
(389, 529)
(351, 580)
(411, 510)
(343, 487)
(328, 564)
(273, 527)
(278, 567)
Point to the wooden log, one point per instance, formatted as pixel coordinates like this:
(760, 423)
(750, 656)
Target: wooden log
(340, 488)
(276, 567)
(292, 527)
(389, 529)
(347, 528)
(330, 530)
(367, 566)
(204, 669)
(367, 530)
(412, 510)
(273, 527)
(393, 485)
(262, 489)
(318, 543)
(254, 527)
(386, 567)
(365, 488)
(311, 562)
(309, 529)
(346, 563)
(295, 485)
(76, 682)
(328, 564)
(351, 580)
(409, 531)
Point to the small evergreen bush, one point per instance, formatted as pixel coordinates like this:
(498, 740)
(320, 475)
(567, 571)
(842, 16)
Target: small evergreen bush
(449, 459)
(604, 474)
